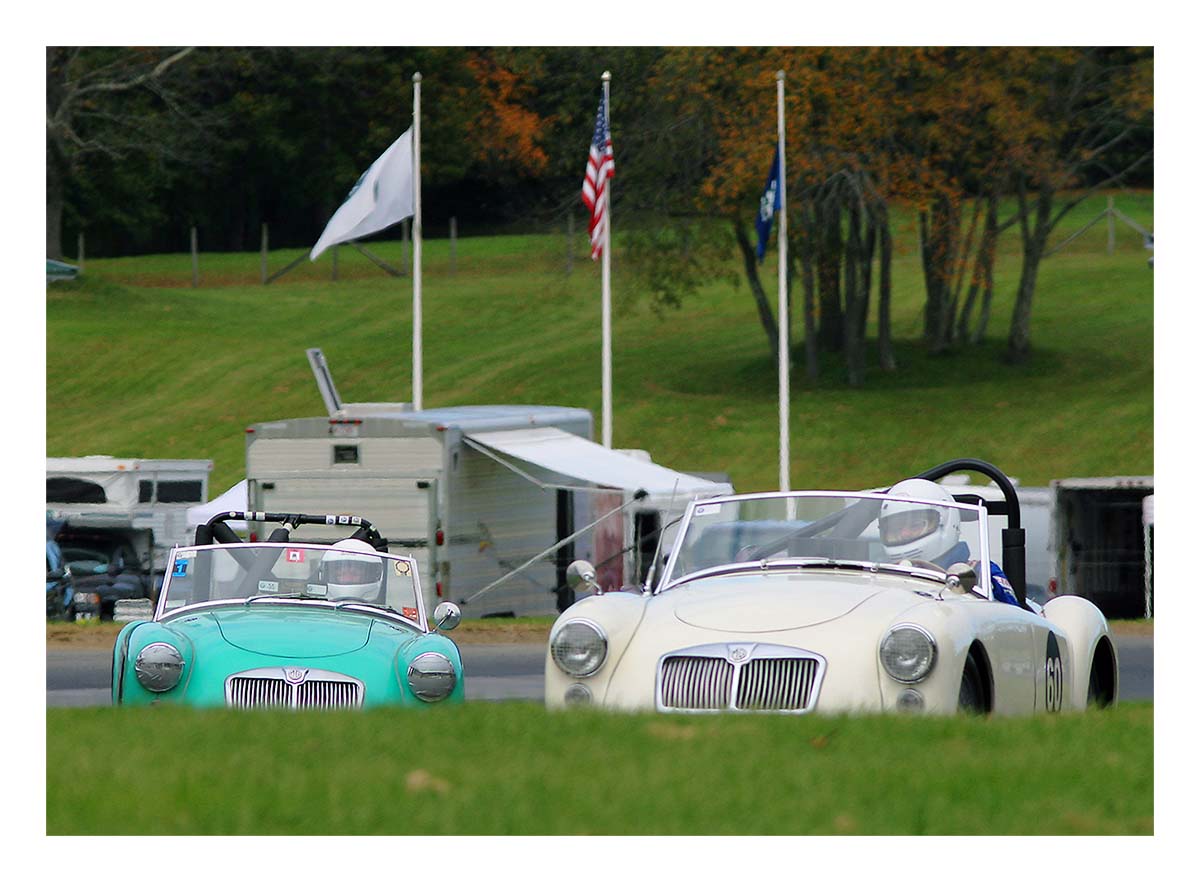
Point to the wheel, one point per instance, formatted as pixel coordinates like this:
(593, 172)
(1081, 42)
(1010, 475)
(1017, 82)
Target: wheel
(1100, 680)
(970, 692)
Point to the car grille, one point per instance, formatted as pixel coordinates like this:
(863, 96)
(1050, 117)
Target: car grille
(293, 688)
(740, 677)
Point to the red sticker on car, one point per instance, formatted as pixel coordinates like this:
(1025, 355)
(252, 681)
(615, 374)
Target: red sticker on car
(295, 555)
(409, 612)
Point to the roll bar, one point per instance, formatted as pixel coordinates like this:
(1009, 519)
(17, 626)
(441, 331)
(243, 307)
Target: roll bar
(216, 531)
(1012, 536)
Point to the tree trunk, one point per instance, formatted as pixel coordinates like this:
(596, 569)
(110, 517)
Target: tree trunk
(811, 360)
(829, 261)
(55, 197)
(939, 250)
(887, 358)
(982, 277)
(1033, 246)
(855, 372)
(750, 262)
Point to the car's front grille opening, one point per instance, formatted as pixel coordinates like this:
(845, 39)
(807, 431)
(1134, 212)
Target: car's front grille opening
(778, 679)
(272, 688)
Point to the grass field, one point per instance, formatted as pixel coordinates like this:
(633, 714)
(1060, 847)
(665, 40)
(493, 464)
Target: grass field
(496, 769)
(141, 364)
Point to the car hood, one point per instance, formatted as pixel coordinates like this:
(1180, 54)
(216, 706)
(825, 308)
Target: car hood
(766, 602)
(294, 633)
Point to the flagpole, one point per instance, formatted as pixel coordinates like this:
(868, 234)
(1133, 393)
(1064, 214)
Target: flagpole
(784, 345)
(416, 240)
(606, 298)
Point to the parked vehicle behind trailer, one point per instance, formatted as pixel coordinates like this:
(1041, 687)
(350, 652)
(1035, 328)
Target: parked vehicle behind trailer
(122, 518)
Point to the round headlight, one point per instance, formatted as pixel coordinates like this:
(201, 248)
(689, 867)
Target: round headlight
(431, 676)
(158, 667)
(579, 648)
(908, 653)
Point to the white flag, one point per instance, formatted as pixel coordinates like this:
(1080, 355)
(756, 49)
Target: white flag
(383, 196)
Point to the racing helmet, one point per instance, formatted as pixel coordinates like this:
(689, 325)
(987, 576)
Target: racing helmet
(353, 570)
(918, 530)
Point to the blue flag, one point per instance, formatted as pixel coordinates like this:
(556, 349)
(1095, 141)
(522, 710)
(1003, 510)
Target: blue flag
(767, 206)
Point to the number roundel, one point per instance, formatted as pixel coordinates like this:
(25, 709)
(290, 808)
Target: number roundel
(1054, 675)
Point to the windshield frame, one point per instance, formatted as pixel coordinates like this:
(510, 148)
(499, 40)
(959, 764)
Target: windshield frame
(667, 582)
(161, 613)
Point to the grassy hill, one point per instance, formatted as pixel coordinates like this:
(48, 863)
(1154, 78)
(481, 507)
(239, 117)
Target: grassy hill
(139, 363)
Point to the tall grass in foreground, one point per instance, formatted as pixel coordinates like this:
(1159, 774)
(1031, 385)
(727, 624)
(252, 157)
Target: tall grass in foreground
(515, 769)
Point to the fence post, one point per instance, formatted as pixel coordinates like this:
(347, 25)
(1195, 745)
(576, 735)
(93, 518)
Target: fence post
(263, 258)
(335, 254)
(453, 245)
(1112, 226)
(570, 241)
(195, 259)
(79, 250)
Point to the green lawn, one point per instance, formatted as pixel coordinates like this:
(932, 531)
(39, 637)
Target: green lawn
(141, 364)
(514, 768)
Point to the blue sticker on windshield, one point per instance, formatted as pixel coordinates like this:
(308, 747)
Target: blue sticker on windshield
(180, 569)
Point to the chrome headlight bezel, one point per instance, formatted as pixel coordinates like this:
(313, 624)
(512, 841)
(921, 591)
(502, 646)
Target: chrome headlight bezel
(158, 667)
(579, 662)
(921, 649)
(431, 676)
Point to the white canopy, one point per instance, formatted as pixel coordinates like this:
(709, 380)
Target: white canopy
(566, 454)
(233, 499)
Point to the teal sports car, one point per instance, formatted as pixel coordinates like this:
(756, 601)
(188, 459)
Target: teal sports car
(286, 624)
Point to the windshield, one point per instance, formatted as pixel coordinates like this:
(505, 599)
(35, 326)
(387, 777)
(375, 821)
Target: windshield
(292, 571)
(869, 528)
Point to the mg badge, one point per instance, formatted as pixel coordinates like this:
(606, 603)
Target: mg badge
(738, 653)
(295, 676)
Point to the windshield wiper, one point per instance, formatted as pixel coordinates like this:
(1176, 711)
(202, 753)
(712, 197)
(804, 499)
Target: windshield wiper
(297, 596)
(345, 603)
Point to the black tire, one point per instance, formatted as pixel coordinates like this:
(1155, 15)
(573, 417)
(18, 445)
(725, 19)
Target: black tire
(1099, 694)
(971, 696)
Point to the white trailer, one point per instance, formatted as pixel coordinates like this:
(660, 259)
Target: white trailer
(138, 496)
(474, 493)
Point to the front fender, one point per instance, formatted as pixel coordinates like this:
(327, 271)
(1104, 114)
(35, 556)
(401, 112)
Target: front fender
(1085, 627)
(953, 632)
(131, 640)
(618, 613)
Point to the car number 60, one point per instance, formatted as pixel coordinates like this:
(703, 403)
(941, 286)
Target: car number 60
(1054, 676)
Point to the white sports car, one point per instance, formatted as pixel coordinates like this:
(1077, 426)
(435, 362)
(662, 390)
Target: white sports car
(837, 602)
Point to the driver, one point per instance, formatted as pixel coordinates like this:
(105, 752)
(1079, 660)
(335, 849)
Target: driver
(353, 570)
(919, 531)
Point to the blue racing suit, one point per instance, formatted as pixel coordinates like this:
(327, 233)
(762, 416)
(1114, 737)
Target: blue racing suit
(1001, 589)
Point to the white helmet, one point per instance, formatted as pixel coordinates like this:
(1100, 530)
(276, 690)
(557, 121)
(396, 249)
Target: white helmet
(918, 530)
(353, 572)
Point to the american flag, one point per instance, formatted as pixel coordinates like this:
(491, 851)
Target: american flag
(599, 170)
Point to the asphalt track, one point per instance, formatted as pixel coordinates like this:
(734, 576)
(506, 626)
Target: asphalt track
(494, 672)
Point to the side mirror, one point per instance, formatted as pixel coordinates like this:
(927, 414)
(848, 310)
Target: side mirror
(581, 572)
(140, 610)
(961, 578)
(446, 616)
